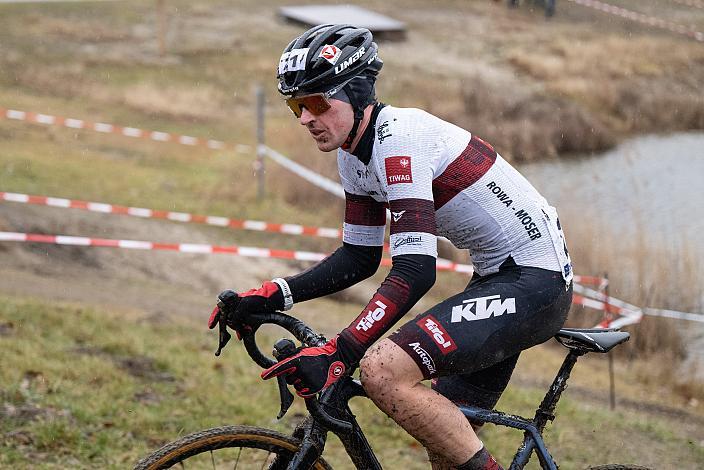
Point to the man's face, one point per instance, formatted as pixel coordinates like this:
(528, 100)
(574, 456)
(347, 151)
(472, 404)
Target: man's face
(331, 128)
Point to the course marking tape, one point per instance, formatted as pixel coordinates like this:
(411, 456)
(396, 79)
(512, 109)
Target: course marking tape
(106, 128)
(442, 265)
(309, 175)
(256, 225)
(642, 18)
(600, 282)
(629, 316)
(626, 307)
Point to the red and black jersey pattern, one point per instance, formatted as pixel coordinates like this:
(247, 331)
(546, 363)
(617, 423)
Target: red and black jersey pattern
(388, 304)
(412, 215)
(464, 171)
(364, 210)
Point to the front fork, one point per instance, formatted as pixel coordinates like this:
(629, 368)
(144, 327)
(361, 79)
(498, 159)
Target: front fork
(313, 434)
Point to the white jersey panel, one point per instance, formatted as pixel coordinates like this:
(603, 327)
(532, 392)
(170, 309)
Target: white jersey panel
(418, 165)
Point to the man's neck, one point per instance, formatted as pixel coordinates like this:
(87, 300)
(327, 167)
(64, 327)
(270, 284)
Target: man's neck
(362, 127)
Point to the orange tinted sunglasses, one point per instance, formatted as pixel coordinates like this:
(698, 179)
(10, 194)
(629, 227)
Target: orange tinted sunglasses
(315, 103)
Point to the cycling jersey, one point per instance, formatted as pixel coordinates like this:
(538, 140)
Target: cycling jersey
(439, 179)
(436, 179)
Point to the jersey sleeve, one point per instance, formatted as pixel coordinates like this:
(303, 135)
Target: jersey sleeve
(365, 218)
(407, 169)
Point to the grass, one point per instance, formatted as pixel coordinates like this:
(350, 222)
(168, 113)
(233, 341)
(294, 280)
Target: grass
(149, 380)
(70, 382)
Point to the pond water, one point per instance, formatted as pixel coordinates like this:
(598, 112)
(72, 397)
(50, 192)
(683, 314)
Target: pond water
(653, 183)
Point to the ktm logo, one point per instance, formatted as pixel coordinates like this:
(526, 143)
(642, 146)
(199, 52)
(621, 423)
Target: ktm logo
(482, 308)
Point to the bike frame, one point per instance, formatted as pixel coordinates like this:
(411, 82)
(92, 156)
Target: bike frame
(334, 401)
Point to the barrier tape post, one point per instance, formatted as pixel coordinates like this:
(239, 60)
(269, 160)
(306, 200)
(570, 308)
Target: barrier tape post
(604, 287)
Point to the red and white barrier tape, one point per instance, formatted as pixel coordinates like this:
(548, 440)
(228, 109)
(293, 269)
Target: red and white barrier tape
(106, 128)
(629, 314)
(600, 282)
(614, 304)
(442, 265)
(642, 18)
(258, 225)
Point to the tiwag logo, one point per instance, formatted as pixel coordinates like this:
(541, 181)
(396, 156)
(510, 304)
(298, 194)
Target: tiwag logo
(398, 170)
(372, 316)
(482, 308)
(431, 326)
(424, 357)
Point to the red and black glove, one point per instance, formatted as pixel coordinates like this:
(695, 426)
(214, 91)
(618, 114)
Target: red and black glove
(236, 307)
(312, 370)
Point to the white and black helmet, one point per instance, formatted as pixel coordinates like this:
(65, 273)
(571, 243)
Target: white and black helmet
(325, 57)
(330, 58)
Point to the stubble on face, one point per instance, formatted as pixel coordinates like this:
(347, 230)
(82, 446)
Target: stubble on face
(330, 129)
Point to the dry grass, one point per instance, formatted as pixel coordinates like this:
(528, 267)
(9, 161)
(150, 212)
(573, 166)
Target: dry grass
(203, 102)
(645, 272)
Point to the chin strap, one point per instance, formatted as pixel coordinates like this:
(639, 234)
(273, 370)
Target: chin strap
(358, 115)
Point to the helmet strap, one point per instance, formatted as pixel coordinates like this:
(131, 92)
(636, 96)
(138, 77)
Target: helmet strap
(360, 91)
(358, 116)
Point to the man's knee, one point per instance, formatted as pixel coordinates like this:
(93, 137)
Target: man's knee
(386, 364)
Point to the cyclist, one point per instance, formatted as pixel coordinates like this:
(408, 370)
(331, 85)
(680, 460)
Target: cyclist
(437, 179)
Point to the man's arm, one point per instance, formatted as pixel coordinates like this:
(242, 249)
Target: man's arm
(356, 260)
(347, 266)
(410, 278)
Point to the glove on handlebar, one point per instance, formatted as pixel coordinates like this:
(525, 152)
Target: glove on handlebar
(236, 307)
(312, 370)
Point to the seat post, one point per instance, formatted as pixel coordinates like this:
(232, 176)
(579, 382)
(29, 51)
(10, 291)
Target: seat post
(546, 410)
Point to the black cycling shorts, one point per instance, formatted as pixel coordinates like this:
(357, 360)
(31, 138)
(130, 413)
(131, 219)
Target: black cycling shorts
(469, 343)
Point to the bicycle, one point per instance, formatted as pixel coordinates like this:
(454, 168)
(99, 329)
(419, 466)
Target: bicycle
(330, 412)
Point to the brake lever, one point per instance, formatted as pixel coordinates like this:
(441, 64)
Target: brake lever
(223, 335)
(285, 395)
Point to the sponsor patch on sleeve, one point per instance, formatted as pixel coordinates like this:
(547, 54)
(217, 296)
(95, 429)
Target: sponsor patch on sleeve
(398, 170)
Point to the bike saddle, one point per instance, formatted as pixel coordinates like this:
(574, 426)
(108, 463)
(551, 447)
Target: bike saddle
(591, 339)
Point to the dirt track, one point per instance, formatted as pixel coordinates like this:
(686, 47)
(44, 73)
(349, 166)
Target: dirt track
(158, 283)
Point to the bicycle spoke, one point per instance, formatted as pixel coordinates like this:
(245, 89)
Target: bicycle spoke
(266, 460)
(238, 458)
(182, 465)
(212, 459)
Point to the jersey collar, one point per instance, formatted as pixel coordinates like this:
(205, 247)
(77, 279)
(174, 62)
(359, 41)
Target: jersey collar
(364, 148)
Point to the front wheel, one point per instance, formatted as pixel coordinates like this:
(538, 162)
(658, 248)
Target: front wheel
(230, 447)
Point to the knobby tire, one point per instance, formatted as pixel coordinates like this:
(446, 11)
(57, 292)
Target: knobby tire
(617, 466)
(243, 437)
